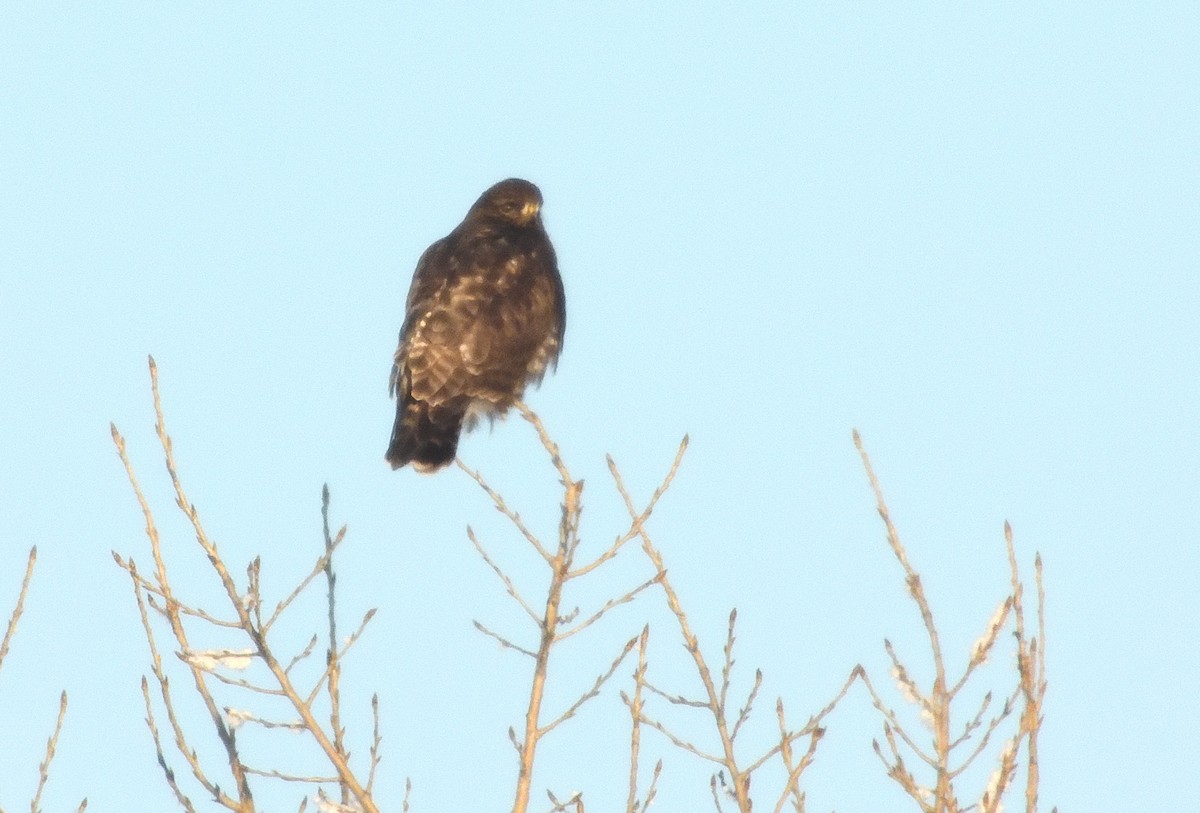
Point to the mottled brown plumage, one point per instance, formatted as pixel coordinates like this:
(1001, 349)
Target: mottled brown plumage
(485, 316)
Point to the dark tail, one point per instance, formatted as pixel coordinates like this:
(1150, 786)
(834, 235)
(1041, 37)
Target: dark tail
(425, 435)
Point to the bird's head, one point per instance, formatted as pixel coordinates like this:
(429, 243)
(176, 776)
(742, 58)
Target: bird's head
(514, 201)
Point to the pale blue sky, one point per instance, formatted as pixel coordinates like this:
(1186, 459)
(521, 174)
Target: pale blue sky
(970, 231)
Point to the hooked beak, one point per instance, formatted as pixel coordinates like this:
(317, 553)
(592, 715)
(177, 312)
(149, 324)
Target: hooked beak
(530, 210)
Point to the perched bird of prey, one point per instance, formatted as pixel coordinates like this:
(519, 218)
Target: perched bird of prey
(485, 316)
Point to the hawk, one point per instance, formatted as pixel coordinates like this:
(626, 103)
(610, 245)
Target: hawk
(485, 316)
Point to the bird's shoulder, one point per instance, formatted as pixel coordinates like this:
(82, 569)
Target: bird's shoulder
(435, 268)
(480, 259)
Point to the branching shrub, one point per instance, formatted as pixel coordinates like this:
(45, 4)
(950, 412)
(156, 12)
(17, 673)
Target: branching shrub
(234, 662)
(212, 647)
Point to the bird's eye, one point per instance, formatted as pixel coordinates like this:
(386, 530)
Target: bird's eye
(508, 207)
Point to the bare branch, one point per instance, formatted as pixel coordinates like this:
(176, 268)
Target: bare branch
(271, 773)
(712, 786)
(302, 655)
(636, 524)
(504, 642)
(503, 508)
(652, 791)
(975, 722)
(680, 742)
(320, 566)
(509, 587)
(608, 605)
(560, 806)
(738, 778)
(727, 668)
(376, 755)
(172, 612)
(164, 685)
(168, 773)
(676, 699)
(814, 722)
(241, 683)
(285, 682)
(1031, 668)
(993, 724)
(152, 591)
(247, 608)
(560, 565)
(939, 705)
(894, 722)
(635, 712)
(592, 692)
(791, 787)
(11, 629)
(333, 659)
(744, 712)
(547, 443)
(785, 752)
(52, 743)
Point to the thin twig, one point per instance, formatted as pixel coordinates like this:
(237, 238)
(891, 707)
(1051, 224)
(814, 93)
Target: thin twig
(814, 722)
(319, 567)
(241, 683)
(51, 747)
(652, 791)
(635, 711)
(164, 685)
(376, 754)
(547, 443)
(676, 699)
(985, 738)
(20, 608)
(792, 785)
(890, 717)
(333, 661)
(785, 753)
(503, 508)
(592, 692)
(168, 772)
(738, 778)
(338, 656)
(636, 523)
(504, 642)
(210, 549)
(1030, 667)
(727, 668)
(509, 587)
(172, 612)
(939, 697)
(608, 605)
(308, 650)
(152, 590)
(744, 711)
(271, 773)
(681, 743)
